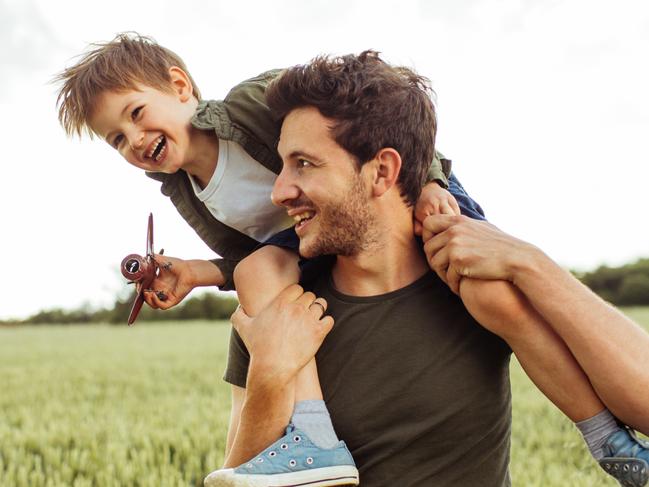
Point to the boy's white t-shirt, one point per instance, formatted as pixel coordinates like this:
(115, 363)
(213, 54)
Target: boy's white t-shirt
(238, 194)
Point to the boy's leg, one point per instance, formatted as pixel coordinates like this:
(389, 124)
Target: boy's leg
(309, 453)
(502, 309)
(259, 278)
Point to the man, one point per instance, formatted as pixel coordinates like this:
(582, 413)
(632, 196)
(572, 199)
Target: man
(416, 388)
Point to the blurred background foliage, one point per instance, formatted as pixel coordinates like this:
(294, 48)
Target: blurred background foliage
(626, 285)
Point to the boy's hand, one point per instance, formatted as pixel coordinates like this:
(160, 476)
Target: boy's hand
(174, 281)
(434, 200)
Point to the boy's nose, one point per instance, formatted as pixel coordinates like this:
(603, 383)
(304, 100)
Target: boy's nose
(136, 140)
(284, 190)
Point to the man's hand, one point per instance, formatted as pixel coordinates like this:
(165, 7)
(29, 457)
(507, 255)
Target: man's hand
(434, 200)
(285, 335)
(458, 246)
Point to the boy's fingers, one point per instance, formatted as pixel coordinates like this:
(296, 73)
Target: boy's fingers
(149, 298)
(418, 227)
(422, 211)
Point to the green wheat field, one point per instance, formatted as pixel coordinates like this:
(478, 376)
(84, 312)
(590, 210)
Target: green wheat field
(146, 406)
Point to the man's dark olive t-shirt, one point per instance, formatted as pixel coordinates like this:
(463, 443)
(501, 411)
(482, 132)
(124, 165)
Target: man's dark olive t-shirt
(416, 388)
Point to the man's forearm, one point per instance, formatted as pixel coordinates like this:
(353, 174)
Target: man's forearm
(266, 412)
(612, 349)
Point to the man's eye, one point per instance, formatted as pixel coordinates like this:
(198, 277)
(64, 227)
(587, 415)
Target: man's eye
(117, 140)
(302, 163)
(136, 112)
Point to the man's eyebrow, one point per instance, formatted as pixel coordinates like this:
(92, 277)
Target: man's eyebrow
(301, 154)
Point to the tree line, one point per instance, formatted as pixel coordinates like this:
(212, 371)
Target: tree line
(627, 285)
(209, 306)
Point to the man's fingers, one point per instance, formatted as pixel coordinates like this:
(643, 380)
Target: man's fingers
(327, 323)
(439, 263)
(455, 206)
(306, 299)
(440, 223)
(290, 294)
(453, 279)
(239, 318)
(435, 243)
(318, 308)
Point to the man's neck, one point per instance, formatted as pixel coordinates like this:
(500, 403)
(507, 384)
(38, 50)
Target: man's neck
(393, 262)
(203, 156)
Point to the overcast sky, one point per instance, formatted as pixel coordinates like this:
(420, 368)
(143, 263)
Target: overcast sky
(543, 107)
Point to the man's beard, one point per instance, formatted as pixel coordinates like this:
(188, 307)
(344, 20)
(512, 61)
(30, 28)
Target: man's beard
(345, 227)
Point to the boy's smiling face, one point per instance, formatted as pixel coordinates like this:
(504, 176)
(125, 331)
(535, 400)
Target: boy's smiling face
(150, 128)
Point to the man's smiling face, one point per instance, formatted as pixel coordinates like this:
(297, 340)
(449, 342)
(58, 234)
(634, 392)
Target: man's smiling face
(321, 187)
(150, 128)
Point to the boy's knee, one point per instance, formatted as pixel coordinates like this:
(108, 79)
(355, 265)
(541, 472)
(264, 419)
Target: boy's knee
(263, 274)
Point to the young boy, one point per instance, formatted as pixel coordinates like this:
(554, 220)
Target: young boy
(217, 162)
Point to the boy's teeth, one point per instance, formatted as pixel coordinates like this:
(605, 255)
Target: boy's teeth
(158, 141)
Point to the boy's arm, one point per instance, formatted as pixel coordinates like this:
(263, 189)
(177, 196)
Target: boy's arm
(439, 170)
(610, 347)
(177, 277)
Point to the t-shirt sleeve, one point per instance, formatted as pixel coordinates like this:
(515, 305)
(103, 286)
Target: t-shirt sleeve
(236, 371)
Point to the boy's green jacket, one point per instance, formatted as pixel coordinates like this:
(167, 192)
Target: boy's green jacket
(242, 117)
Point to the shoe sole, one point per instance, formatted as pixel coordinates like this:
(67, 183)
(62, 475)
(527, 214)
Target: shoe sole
(318, 477)
(631, 472)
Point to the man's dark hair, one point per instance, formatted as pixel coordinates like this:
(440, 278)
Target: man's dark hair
(373, 104)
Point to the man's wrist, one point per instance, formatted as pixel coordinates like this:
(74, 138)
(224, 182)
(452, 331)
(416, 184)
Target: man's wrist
(526, 264)
(264, 377)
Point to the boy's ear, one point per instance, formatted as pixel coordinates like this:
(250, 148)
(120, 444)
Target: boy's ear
(181, 84)
(386, 167)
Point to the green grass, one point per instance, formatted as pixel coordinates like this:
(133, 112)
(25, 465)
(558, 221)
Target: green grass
(146, 406)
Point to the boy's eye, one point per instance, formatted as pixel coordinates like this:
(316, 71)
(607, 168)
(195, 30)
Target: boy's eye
(117, 140)
(136, 112)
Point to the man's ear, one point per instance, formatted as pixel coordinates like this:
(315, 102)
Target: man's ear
(386, 168)
(180, 83)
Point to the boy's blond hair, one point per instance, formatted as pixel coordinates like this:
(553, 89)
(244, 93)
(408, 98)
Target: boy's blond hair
(121, 64)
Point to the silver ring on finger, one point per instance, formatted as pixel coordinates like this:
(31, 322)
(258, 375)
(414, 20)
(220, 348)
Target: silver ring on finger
(322, 307)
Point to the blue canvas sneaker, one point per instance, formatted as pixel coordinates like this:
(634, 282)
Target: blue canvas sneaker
(291, 461)
(627, 458)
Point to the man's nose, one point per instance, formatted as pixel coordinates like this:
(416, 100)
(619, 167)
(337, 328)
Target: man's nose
(284, 190)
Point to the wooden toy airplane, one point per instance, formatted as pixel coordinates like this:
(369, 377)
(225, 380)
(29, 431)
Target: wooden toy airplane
(142, 271)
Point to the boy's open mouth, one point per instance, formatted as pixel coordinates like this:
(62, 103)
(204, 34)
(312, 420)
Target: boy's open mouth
(157, 149)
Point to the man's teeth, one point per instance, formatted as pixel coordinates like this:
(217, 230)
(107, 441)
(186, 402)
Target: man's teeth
(307, 215)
